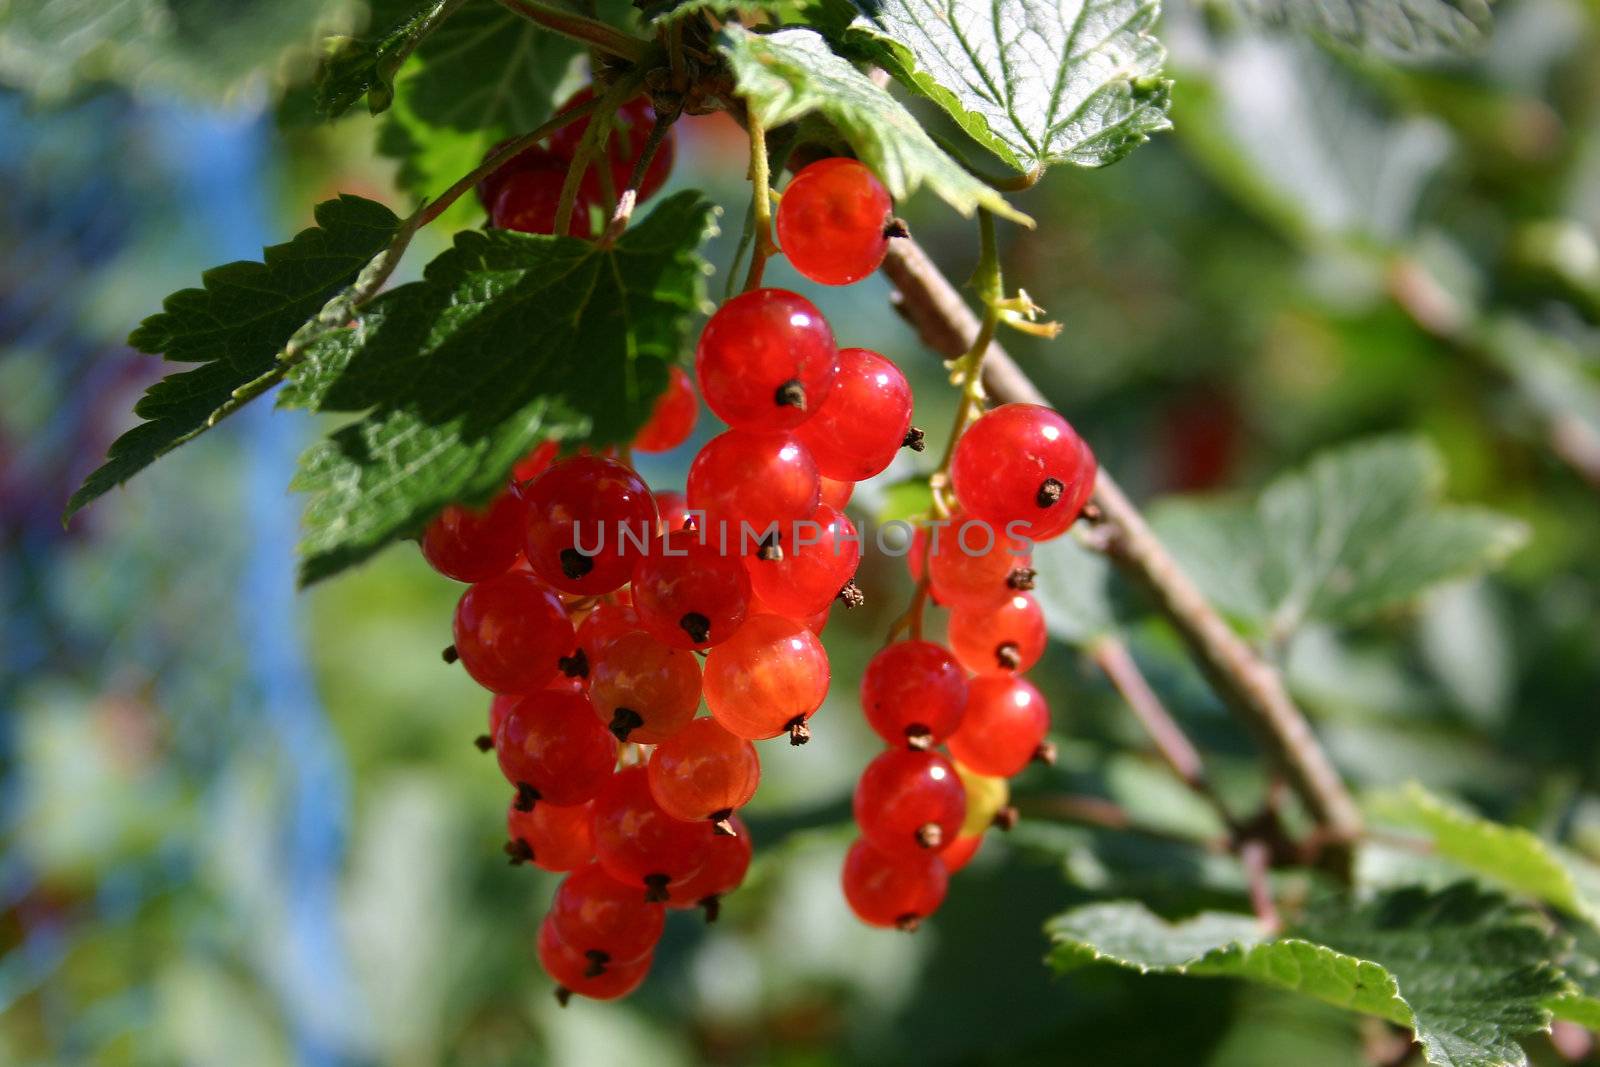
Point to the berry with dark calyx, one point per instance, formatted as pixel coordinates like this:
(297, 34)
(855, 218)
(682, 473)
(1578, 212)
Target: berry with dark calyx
(862, 421)
(672, 419)
(575, 973)
(815, 559)
(765, 360)
(630, 129)
(835, 493)
(909, 801)
(893, 889)
(639, 844)
(550, 836)
(746, 483)
(527, 200)
(475, 544)
(768, 679)
(704, 772)
(1023, 463)
(832, 221)
(970, 562)
(554, 749)
(1008, 639)
(511, 633)
(688, 594)
(607, 622)
(723, 871)
(960, 852)
(643, 690)
(588, 519)
(605, 920)
(913, 693)
(1005, 725)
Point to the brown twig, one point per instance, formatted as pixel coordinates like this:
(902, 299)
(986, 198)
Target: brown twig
(1107, 815)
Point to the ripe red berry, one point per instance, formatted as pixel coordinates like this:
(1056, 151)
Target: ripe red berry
(704, 772)
(550, 836)
(862, 422)
(527, 200)
(603, 920)
(672, 511)
(475, 544)
(727, 860)
(893, 889)
(535, 462)
(629, 132)
(688, 594)
(813, 562)
(960, 852)
(1008, 639)
(575, 973)
(913, 692)
(672, 419)
(768, 679)
(643, 690)
(589, 518)
(512, 633)
(1023, 463)
(639, 844)
(835, 493)
(553, 748)
(489, 187)
(765, 360)
(1006, 722)
(746, 483)
(816, 622)
(910, 801)
(832, 221)
(973, 563)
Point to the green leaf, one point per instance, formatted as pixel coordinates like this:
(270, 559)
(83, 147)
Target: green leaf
(50, 48)
(1511, 856)
(1037, 82)
(787, 75)
(485, 75)
(1074, 587)
(1359, 529)
(366, 65)
(235, 328)
(1465, 971)
(508, 339)
(1418, 29)
(777, 11)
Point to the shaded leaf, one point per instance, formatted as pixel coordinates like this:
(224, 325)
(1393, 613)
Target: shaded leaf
(1420, 29)
(366, 65)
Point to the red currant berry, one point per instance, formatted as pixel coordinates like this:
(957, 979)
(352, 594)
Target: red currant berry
(1008, 639)
(1022, 463)
(747, 485)
(723, 871)
(835, 493)
(497, 710)
(832, 221)
(589, 518)
(603, 920)
(552, 837)
(475, 544)
(908, 801)
(960, 852)
(913, 693)
(1004, 727)
(575, 973)
(553, 748)
(639, 844)
(765, 360)
(862, 422)
(672, 511)
(489, 187)
(688, 594)
(672, 419)
(973, 563)
(768, 679)
(812, 563)
(512, 633)
(604, 624)
(629, 131)
(527, 200)
(893, 889)
(535, 462)
(704, 772)
(643, 690)
(816, 623)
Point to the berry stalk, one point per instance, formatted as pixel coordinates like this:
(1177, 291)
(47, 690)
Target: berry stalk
(591, 32)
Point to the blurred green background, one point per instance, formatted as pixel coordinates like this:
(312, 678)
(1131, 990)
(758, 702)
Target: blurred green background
(247, 826)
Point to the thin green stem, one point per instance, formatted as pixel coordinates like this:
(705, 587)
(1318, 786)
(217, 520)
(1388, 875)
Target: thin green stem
(592, 146)
(761, 201)
(589, 31)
